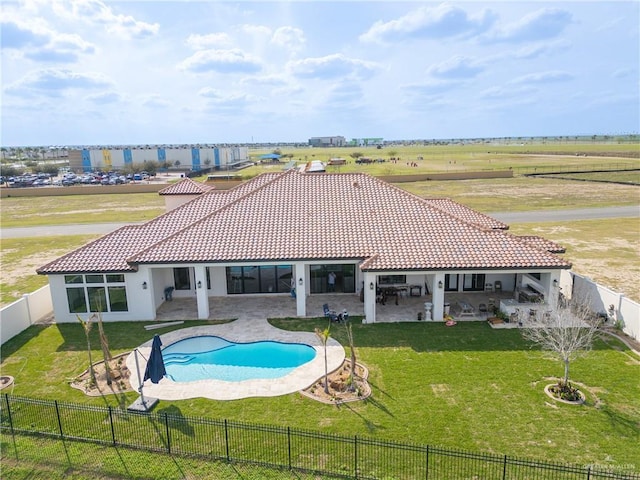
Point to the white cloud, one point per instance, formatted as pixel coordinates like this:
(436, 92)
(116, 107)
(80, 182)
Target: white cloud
(290, 38)
(457, 67)
(36, 41)
(56, 81)
(540, 25)
(264, 80)
(256, 30)
(331, 66)
(202, 42)
(104, 98)
(542, 78)
(221, 61)
(155, 100)
(98, 12)
(443, 21)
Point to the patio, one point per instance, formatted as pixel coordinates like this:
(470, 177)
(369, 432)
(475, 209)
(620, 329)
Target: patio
(279, 306)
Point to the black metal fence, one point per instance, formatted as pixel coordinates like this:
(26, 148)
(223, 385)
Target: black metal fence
(272, 446)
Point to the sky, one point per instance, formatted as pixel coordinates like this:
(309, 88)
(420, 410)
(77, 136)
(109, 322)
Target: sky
(97, 72)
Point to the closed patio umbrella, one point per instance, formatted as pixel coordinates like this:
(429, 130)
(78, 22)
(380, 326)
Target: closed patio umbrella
(155, 371)
(155, 365)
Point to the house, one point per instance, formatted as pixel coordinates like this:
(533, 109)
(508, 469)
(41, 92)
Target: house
(296, 228)
(182, 192)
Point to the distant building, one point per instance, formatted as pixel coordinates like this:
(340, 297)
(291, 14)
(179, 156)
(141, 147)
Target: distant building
(366, 142)
(327, 141)
(186, 157)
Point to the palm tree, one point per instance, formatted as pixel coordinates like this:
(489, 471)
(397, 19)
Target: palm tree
(323, 335)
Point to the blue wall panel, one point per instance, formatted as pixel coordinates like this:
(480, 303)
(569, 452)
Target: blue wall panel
(216, 156)
(195, 159)
(86, 161)
(128, 158)
(162, 155)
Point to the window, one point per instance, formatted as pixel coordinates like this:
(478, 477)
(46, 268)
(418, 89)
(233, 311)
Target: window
(76, 300)
(391, 279)
(182, 278)
(96, 293)
(118, 299)
(345, 280)
(259, 279)
(473, 282)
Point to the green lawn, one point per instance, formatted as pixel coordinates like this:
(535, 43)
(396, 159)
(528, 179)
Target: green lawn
(468, 387)
(20, 257)
(72, 209)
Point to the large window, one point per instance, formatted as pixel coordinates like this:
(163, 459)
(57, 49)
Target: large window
(344, 280)
(96, 293)
(473, 282)
(259, 279)
(182, 278)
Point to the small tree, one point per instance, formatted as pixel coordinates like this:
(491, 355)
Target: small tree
(86, 326)
(568, 332)
(356, 155)
(349, 328)
(323, 335)
(106, 353)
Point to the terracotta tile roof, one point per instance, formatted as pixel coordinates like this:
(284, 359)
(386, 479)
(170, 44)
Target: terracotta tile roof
(186, 186)
(296, 216)
(543, 243)
(465, 213)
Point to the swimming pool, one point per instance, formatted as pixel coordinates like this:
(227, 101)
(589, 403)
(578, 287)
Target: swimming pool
(241, 331)
(212, 357)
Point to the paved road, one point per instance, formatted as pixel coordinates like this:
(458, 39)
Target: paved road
(508, 218)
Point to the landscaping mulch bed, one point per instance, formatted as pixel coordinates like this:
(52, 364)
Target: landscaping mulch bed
(339, 390)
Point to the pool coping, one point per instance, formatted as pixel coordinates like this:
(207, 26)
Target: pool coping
(240, 331)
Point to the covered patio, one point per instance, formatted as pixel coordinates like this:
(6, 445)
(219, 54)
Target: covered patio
(282, 306)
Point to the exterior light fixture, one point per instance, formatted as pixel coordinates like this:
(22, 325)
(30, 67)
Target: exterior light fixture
(300, 281)
(199, 284)
(144, 285)
(439, 283)
(555, 282)
(371, 286)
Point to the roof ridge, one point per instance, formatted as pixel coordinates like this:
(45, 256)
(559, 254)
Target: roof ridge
(429, 205)
(88, 245)
(227, 205)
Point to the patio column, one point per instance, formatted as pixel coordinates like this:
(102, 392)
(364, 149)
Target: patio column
(553, 290)
(370, 279)
(301, 279)
(202, 297)
(438, 297)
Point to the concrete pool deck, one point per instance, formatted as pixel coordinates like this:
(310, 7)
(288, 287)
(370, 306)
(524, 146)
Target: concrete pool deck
(243, 330)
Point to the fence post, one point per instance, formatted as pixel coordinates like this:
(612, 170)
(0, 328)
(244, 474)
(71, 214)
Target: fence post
(6, 399)
(504, 468)
(59, 419)
(355, 456)
(588, 472)
(426, 473)
(166, 425)
(113, 431)
(226, 438)
(289, 445)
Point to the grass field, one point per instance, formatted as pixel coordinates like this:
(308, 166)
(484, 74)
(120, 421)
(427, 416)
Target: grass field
(72, 209)
(468, 387)
(20, 257)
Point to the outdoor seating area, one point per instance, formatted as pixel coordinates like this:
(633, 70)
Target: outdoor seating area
(406, 309)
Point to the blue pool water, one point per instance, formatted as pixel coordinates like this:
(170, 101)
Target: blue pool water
(210, 357)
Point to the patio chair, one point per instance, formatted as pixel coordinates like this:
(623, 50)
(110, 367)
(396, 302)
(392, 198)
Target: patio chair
(482, 308)
(330, 314)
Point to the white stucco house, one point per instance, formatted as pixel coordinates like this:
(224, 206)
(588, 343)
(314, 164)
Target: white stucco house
(255, 238)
